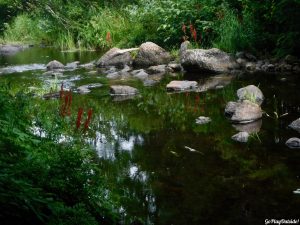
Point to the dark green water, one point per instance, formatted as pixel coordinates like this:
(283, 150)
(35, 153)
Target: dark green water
(141, 144)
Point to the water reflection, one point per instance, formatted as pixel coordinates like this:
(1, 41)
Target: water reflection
(22, 68)
(106, 145)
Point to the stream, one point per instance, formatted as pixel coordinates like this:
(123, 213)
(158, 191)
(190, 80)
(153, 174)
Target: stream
(170, 169)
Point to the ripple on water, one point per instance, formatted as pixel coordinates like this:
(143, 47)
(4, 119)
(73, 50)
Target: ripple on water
(22, 68)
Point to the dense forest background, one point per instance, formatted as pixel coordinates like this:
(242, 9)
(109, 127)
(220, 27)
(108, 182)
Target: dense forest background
(262, 27)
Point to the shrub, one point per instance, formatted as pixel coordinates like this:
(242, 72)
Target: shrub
(235, 34)
(24, 29)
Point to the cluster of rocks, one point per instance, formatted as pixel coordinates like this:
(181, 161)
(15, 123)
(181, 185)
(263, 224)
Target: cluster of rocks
(216, 61)
(206, 60)
(150, 64)
(245, 111)
(250, 63)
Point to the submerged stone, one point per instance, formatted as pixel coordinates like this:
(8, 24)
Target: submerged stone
(295, 125)
(203, 120)
(241, 137)
(293, 142)
(181, 85)
(123, 90)
(53, 65)
(243, 112)
(84, 89)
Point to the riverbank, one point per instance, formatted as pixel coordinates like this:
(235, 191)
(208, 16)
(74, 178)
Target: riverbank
(231, 26)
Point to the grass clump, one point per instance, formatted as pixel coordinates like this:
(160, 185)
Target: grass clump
(23, 29)
(234, 34)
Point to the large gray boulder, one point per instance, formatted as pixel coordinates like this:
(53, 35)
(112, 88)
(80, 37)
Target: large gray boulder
(251, 93)
(243, 112)
(206, 60)
(115, 57)
(295, 125)
(150, 54)
(55, 65)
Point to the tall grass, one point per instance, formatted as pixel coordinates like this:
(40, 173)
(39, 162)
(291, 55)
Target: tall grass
(23, 29)
(65, 41)
(234, 34)
(122, 30)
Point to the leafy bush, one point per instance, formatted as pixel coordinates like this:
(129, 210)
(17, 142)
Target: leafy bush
(262, 26)
(235, 34)
(43, 181)
(23, 29)
(107, 28)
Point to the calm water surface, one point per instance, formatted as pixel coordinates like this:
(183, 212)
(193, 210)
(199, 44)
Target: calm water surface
(142, 144)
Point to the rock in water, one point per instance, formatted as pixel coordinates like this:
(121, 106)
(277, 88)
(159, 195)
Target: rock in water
(150, 54)
(115, 57)
(54, 65)
(293, 142)
(84, 89)
(206, 60)
(157, 69)
(202, 120)
(181, 85)
(295, 125)
(243, 112)
(230, 108)
(241, 137)
(251, 93)
(140, 74)
(123, 90)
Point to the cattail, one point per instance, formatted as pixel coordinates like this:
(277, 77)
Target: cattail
(183, 28)
(88, 120)
(197, 101)
(194, 34)
(68, 107)
(108, 37)
(79, 116)
(191, 27)
(61, 93)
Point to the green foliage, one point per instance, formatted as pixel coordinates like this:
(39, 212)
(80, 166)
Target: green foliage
(233, 34)
(163, 21)
(42, 181)
(107, 28)
(23, 29)
(233, 25)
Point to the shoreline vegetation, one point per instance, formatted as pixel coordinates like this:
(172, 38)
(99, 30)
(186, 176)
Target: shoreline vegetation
(268, 28)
